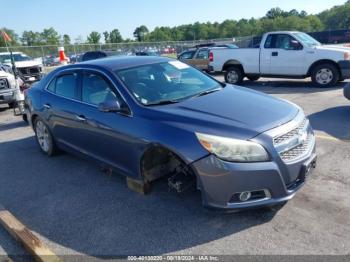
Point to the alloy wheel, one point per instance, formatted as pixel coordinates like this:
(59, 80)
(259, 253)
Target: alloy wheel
(42, 134)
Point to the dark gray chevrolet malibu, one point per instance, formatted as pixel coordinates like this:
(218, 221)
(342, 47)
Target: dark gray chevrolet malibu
(151, 117)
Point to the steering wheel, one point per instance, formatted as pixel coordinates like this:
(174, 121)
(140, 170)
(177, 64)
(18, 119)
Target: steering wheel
(145, 92)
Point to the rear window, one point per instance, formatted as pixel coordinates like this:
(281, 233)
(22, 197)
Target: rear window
(65, 85)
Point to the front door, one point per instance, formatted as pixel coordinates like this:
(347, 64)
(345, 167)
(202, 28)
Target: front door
(283, 55)
(105, 136)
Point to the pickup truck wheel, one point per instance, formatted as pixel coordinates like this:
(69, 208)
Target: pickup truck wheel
(253, 78)
(234, 75)
(44, 138)
(325, 75)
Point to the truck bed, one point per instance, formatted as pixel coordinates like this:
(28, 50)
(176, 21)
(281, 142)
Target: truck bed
(247, 56)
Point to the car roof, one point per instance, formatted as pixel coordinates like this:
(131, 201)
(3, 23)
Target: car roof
(283, 32)
(124, 62)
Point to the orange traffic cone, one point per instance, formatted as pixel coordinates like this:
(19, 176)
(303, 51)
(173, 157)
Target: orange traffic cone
(62, 56)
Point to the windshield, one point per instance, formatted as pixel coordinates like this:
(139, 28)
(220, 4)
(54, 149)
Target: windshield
(167, 82)
(17, 57)
(306, 39)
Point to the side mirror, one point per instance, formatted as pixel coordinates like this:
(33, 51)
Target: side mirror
(110, 106)
(296, 45)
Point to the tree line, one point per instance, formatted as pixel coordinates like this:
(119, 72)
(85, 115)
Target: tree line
(338, 17)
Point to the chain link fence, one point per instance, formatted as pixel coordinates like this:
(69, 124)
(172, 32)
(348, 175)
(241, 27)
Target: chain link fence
(170, 48)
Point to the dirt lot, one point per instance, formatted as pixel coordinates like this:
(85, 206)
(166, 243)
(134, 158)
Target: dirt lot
(76, 209)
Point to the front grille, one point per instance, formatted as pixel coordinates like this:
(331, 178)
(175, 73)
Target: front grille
(29, 70)
(290, 134)
(23, 71)
(295, 143)
(3, 83)
(34, 70)
(297, 151)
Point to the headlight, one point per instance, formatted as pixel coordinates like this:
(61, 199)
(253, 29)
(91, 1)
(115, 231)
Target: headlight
(233, 150)
(346, 56)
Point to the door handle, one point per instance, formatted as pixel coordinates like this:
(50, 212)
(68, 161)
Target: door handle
(274, 54)
(47, 106)
(81, 118)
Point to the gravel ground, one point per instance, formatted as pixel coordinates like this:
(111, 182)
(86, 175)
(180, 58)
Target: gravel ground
(76, 209)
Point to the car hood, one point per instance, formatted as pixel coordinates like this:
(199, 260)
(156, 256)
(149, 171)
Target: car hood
(232, 112)
(22, 64)
(337, 48)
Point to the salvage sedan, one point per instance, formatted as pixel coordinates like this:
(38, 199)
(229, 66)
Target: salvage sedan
(153, 117)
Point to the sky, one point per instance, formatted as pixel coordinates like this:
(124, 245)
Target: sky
(80, 17)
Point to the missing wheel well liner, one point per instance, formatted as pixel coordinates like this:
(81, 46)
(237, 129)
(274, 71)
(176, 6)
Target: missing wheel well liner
(159, 162)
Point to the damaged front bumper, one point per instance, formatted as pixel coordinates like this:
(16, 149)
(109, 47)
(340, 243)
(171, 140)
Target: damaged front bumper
(221, 183)
(229, 185)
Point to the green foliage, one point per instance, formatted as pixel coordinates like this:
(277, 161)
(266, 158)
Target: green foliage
(66, 39)
(112, 37)
(337, 17)
(48, 36)
(94, 37)
(140, 33)
(115, 36)
(275, 19)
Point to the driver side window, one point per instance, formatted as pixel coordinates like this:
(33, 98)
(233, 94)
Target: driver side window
(96, 90)
(281, 41)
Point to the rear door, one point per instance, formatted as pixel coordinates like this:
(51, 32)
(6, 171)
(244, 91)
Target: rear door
(59, 107)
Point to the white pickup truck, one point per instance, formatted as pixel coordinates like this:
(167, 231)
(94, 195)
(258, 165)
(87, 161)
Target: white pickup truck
(284, 55)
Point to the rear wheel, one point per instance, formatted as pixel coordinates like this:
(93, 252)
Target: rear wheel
(44, 138)
(325, 75)
(234, 75)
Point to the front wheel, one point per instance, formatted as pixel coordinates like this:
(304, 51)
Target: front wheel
(253, 78)
(44, 138)
(234, 75)
(325, 75)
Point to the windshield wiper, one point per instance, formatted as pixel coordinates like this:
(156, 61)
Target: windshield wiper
(208, 92)
(163, 102)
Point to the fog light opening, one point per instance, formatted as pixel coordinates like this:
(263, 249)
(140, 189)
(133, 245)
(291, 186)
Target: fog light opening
(245, 196)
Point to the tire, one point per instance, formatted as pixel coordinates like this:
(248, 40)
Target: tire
(44, 138)
(253, 78)
(12, 104)
(234, 75)
(324, 75)
(25, 118)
